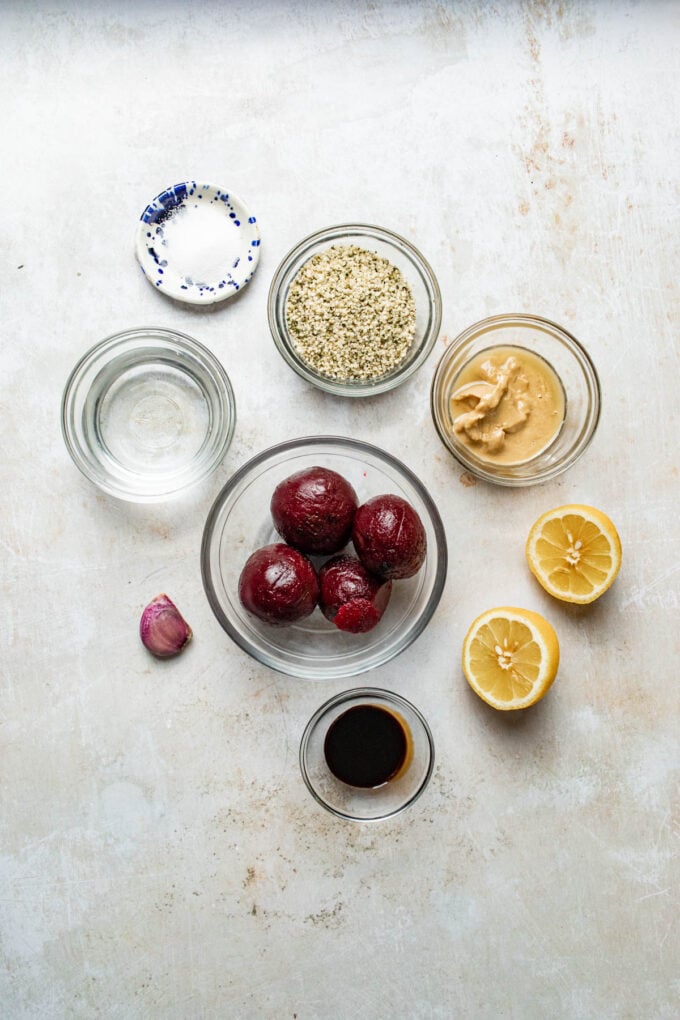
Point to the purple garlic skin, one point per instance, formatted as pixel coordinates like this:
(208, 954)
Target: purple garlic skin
(163, 629)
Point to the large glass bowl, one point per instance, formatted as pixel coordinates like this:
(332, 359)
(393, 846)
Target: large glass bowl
(574, 369)
(240, 522)
(147, 414)
(415, 270)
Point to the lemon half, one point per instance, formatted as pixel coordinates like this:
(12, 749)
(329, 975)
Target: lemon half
(510, 657)
(574, 552)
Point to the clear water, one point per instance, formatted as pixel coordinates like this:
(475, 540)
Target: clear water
(149, 418)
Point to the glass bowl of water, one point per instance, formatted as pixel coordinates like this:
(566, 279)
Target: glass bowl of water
(147, 414)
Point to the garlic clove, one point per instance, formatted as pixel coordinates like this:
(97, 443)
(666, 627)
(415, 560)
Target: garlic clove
(163, 629)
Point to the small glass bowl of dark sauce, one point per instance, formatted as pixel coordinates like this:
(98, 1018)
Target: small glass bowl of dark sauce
(366, 754)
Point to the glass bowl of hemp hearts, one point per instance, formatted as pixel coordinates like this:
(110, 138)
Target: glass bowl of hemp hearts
(354, 309)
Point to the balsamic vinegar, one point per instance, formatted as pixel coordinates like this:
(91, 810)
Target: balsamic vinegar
(366, 746)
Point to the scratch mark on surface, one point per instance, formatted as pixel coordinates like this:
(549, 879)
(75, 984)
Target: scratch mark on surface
(638, 593)
(647, 896)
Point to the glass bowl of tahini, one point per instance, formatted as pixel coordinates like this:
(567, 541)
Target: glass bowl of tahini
(516, 399)
(354, 309)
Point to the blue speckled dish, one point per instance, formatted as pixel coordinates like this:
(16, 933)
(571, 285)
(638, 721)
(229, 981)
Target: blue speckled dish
(198, 243)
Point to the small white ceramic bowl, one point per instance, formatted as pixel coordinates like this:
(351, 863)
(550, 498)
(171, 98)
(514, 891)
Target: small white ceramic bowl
(198, 243)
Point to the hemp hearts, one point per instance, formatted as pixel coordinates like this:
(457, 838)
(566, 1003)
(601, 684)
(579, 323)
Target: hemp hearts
(351, 314)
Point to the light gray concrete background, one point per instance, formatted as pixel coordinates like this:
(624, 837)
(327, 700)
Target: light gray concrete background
(159, 854)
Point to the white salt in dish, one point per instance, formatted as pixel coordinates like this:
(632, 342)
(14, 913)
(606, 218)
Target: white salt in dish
(198, 243)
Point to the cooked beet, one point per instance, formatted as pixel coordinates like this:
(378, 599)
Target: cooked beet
(389, 537)
(314, 509)
(278, 585)
(357, 617)
(351, 597)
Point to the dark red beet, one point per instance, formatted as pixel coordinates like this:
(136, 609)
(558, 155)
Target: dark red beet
(357, 616)
(389, 537)
(351, 597)
(314, 509)
(278, 585)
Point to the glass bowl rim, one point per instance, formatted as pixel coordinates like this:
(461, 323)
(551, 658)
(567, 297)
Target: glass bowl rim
(107, 346)
(525, 319)
(353, 694)
(347, 388)
(441, 567)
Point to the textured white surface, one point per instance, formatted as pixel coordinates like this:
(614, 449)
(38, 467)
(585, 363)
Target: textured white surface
(159, 855)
